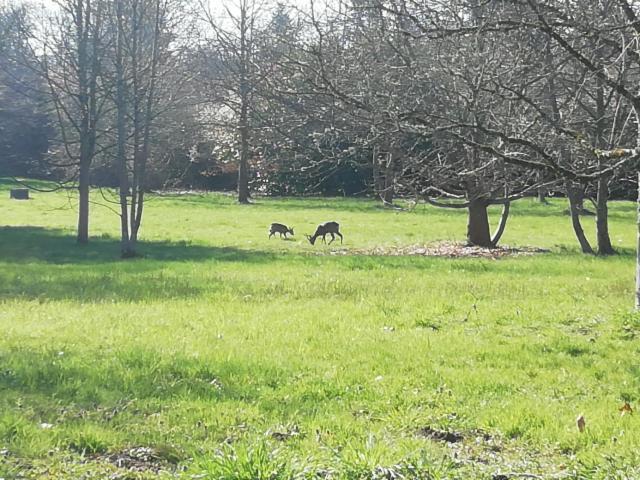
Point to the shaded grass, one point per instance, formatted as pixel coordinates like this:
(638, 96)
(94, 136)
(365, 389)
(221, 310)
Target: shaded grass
(219, 337)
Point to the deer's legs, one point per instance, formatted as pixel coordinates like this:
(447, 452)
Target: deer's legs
(340, 235)
(333, 237)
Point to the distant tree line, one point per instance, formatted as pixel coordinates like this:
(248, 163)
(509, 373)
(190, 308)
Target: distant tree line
(461, 104)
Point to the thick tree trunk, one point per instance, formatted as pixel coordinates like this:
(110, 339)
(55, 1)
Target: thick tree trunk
(128, 248)
(478, 232)
(542, 192)
(602, 218)
(542, 195)
(578, 200)
(83, 204)
(575, 195)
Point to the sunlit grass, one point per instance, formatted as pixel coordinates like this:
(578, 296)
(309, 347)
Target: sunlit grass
(236, 356)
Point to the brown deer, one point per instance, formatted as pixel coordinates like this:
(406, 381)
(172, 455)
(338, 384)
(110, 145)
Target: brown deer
(331, 228)
(279, 228)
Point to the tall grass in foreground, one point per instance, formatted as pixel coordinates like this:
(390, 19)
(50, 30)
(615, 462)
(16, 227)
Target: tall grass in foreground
(225, 355)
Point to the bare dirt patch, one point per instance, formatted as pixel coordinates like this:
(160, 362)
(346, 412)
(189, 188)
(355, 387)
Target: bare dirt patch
(442, 249)
(480, 454)
(142, 459)
(441, 435)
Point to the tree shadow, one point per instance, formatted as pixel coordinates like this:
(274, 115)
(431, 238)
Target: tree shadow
(106, 379)
(46, 264)
(55, 246)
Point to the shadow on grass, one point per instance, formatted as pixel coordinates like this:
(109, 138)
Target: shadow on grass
(89, 380)
(47, 264)
(38, 244)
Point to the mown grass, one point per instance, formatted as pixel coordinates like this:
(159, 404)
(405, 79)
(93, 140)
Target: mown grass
(234, 356)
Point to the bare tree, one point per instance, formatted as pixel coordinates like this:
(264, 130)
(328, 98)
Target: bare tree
(231, 47)
(144, 67)
(527, 99)
(618, 31)
(70, 48)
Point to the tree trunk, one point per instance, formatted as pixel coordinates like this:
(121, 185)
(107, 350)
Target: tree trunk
(83, 204)
(602, 218)
(151, 97)
(478, 232)
(502, 225)
(578, 200)
(575, 194)
(602, 213)
(243, 169)
(542, 195)
(128, 248)
(388, 191)
(542, 192)
(638, 250)
(85, 101)
(121, 156)
(378, 186)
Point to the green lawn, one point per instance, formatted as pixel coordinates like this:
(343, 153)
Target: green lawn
(225, 355)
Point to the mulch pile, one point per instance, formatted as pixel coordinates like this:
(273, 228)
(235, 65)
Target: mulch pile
(443, 249)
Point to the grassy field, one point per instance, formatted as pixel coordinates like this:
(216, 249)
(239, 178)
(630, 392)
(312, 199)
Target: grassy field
(225, 355)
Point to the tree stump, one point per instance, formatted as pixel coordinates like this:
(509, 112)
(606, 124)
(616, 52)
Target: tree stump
(19, 193)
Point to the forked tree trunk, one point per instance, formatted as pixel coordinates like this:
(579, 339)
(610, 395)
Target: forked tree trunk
(478, 232)
(574, 196)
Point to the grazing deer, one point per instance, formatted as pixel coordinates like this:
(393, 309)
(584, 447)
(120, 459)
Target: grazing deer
(332, 228)
(281, 229)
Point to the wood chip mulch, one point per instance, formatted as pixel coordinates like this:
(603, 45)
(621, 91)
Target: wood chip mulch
(442, 249)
